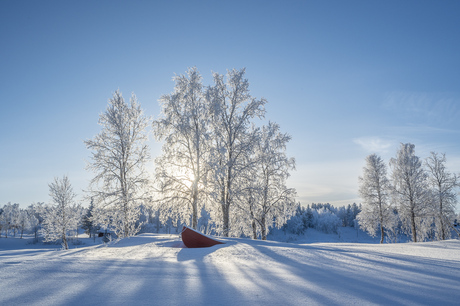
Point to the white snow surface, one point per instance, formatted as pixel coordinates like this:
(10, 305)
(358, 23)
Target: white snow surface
(153, 269)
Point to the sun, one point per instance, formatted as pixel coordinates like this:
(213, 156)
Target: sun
(185, 177)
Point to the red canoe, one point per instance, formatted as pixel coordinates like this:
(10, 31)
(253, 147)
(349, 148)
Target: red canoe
(195, 239)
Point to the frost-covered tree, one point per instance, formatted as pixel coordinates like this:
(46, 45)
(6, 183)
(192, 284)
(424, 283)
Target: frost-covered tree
(184, 128)
(394, 227)
(63, 215)
(444, 184)
(88, 222)
(14, 216)
(246, 201)
(204, 223)
(10, 218)
(119, 155)
(34, 223)
(355, 210)
(307, 218)
(35, 212)
(411, 191)
(270, 199)
(326, 221)
(375, 189)
(24, 221)
(298, 223)
(2, 221)
(232, 109)
(322, 217)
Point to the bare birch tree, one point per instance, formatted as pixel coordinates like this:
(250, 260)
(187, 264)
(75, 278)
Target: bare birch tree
(119, 155)
(184, 128)
(233, 108)
(411, 191)
(375, 189)
(444, 184)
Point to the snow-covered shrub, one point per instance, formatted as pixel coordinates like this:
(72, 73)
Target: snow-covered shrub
(326, 221)
(321, 217)
(308, 218)
(295, 225)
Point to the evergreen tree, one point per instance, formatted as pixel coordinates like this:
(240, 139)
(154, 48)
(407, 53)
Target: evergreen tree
(88, 223)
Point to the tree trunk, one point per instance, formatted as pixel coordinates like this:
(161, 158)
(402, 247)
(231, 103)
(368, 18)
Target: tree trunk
(382, 233)
(226, 206)
(263, 228)
(443, 232)
(412, 220)
(157, 220)
(64, 240)
(253, 223)
(254, 230)
(226, 217)
(125, 218)
(195, 205)
(264, 233)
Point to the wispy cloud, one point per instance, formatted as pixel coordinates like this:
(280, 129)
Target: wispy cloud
(334, 181)
(421, 129)
(373, 144)
(429, 107)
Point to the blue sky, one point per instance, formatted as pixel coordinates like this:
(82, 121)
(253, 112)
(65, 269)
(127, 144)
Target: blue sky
(343, 78)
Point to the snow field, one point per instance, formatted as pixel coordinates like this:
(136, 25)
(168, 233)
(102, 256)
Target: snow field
(152, 269)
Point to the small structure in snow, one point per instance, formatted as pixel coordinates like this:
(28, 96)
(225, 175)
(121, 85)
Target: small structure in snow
(195, 239)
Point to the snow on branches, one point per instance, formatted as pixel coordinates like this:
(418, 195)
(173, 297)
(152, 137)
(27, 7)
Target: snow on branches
(119, 155)
(64, 215)
(212, 153)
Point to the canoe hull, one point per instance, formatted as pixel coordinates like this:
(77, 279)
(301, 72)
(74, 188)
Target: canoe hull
(194, 239)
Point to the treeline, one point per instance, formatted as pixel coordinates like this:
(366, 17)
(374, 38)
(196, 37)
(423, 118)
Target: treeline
(40, 220)
(15, 220)
(219, 170)
(56, 221)
(322, 217)
(417, 199)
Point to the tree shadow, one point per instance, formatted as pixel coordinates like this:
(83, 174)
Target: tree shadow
(240, 272)
(197, 254)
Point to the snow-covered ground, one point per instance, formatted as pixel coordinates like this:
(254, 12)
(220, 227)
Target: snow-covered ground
(152, 269)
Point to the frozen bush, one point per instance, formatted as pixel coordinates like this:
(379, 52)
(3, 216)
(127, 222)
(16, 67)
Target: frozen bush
(326, 221)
